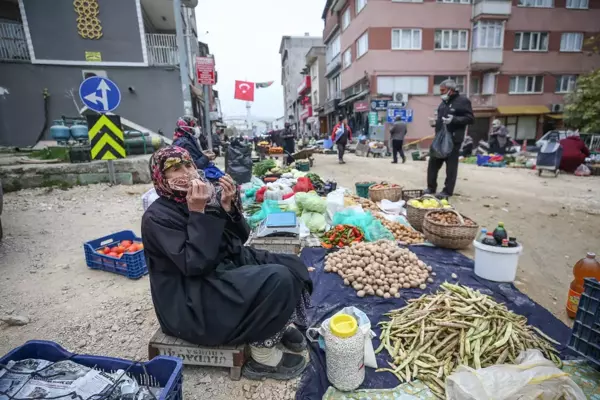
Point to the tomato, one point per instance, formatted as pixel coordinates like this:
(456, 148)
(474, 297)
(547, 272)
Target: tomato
(111, 254)
(133, 248)
(140, 246)
(126, 243)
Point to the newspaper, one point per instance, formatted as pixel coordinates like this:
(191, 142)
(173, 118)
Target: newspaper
(40, 379)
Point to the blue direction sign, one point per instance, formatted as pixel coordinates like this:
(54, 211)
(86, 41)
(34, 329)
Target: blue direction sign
(100, 94)
(405, 113)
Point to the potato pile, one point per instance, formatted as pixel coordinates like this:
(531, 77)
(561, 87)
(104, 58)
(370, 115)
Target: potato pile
(448, 218)
(367, 204)
(380, 268)
(401, 232)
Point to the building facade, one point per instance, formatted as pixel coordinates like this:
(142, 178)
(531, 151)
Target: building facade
(293, 51)
(312, 92)
(333, 63)
(515, 59)
(52, 46)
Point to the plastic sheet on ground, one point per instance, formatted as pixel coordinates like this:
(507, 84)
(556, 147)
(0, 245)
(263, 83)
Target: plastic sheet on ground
(407, 391)
(330, 295)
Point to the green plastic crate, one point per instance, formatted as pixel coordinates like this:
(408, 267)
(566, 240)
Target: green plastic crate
(362, 189)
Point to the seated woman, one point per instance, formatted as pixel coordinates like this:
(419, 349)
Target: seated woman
(207, 287)
(574, 152)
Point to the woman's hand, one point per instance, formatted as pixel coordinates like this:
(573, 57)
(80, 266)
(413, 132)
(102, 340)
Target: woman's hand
(228, 193)
(209, 154)
(197, 196)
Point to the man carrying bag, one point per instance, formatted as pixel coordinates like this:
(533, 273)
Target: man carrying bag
(453, 115)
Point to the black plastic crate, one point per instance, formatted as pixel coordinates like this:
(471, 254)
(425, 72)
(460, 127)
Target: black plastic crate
(585, 336)
(412, 194)
(80, 154)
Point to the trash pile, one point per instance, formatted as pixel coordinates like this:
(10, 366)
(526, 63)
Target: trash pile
(41, 379)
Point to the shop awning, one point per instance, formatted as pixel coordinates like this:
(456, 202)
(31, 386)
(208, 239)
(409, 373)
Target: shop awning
(556, 116)
(355, 97)
(523, 110)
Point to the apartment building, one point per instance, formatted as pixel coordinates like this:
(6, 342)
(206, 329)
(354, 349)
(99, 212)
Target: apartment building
(333, 63)
(54, 45)
(293, 51)
(313, 92)
(516, 59)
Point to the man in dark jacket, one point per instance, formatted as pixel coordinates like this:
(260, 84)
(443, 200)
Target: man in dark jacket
(455, 113)
(288, 137)
(398, 133)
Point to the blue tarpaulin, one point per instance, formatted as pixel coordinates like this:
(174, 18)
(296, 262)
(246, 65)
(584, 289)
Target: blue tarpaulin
(330, 295)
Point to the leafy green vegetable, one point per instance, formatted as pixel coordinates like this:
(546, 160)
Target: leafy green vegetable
(261, 168)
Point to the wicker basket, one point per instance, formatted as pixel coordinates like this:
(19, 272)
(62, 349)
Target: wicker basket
(415, 215)
(454, 237)
(389, 193)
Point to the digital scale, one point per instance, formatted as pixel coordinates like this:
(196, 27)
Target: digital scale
(279, 224)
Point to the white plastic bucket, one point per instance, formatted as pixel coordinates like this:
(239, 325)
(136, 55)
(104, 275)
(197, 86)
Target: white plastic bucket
(498, 264)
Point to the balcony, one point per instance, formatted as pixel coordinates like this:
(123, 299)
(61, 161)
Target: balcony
(483, 101)
(334, 65)
(487, 8)
(13, 45)
(162, 49)
(483, 59)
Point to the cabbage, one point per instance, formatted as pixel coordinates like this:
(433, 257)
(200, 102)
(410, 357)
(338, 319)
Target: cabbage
(315, 222)
(311, 202)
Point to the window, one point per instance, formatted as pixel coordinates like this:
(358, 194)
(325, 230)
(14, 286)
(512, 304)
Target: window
(347, 58)
(450, 39)
(360, 4)
(403, 84)
(455, 1)
(406, 39)
(531, 41)
(488, 35)
(460, 82)
(578, 4)
(362, 45)
(489, 83)
(526, 84)
(475, 86)
(346, 18)
(333, 49)
(571, 42)
(565, 83)
(536, 3)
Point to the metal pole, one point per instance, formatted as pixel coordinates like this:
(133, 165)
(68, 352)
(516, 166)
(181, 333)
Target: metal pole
(183, 61)
(111, 172)
(207, 128)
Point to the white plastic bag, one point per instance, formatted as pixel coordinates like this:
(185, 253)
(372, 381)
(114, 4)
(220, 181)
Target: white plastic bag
(148, 198)
(364, 324)
(392, 207)
(533, 377)
(335, 202)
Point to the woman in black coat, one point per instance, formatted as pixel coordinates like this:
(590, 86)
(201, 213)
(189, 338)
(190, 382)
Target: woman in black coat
(207, 287)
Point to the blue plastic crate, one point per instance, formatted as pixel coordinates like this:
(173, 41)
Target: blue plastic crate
(585, 336)
(131, 265)
(165, 371)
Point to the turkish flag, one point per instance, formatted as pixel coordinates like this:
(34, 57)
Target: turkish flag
(244, 91)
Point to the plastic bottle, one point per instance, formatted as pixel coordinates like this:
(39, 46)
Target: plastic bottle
(512, 242)
(500, 233)
(504, 242)
(587, 267)
(489, 240)
(345, 344)
(482, 235)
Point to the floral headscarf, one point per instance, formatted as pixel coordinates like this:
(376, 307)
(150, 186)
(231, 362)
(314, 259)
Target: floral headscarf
(185, 126)
(171, 156)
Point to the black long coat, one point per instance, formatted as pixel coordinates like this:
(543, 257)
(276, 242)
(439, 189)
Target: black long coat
(207, 287)
(459, 106)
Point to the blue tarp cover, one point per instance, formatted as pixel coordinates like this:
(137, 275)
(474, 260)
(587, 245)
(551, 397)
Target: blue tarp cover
(330, 295)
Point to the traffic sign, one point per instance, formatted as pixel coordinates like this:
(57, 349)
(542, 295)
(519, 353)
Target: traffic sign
(379, 105)
(100, 94)
(106, 137)
(406, 114)
(205, 70)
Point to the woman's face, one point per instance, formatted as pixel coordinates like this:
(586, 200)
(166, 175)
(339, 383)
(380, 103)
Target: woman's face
(180, 170)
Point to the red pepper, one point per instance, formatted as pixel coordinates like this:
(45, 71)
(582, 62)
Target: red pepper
(339, 228)
(340, 244)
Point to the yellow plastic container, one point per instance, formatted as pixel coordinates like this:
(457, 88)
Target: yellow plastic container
(343, 325)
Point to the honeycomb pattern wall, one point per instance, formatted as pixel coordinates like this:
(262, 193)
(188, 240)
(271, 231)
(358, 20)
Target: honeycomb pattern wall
(88, 23)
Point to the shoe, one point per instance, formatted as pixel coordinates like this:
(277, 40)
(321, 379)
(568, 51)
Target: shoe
(342, 162)
(293, 340)
(442, 195)
(428, 191)
(403, 160)
(290, 367)
(394, 162)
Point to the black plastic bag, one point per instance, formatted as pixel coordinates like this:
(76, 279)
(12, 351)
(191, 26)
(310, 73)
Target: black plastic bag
(238, 162)
(442, 144)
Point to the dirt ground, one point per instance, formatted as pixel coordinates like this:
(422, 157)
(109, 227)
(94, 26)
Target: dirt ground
(44, 278)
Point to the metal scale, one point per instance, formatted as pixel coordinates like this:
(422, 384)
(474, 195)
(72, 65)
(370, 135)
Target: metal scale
(283, 224)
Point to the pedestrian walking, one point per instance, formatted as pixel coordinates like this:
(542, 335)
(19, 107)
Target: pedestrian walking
(455, 113)
(341, 135)
(398, 133)
(289, 143)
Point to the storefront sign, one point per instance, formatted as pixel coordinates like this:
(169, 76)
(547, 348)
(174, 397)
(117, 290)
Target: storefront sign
(406, 114)
(372, 118)
(307, 112)
(305, 85)
(397, 104)
(361, 106)
(379, 105)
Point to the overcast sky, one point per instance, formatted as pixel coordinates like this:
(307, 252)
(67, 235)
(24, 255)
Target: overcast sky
(245, 36)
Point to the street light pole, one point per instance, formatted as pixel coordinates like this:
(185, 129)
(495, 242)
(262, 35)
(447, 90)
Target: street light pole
(183, 61)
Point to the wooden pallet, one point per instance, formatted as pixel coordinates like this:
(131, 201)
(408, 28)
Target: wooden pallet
(232, 357)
